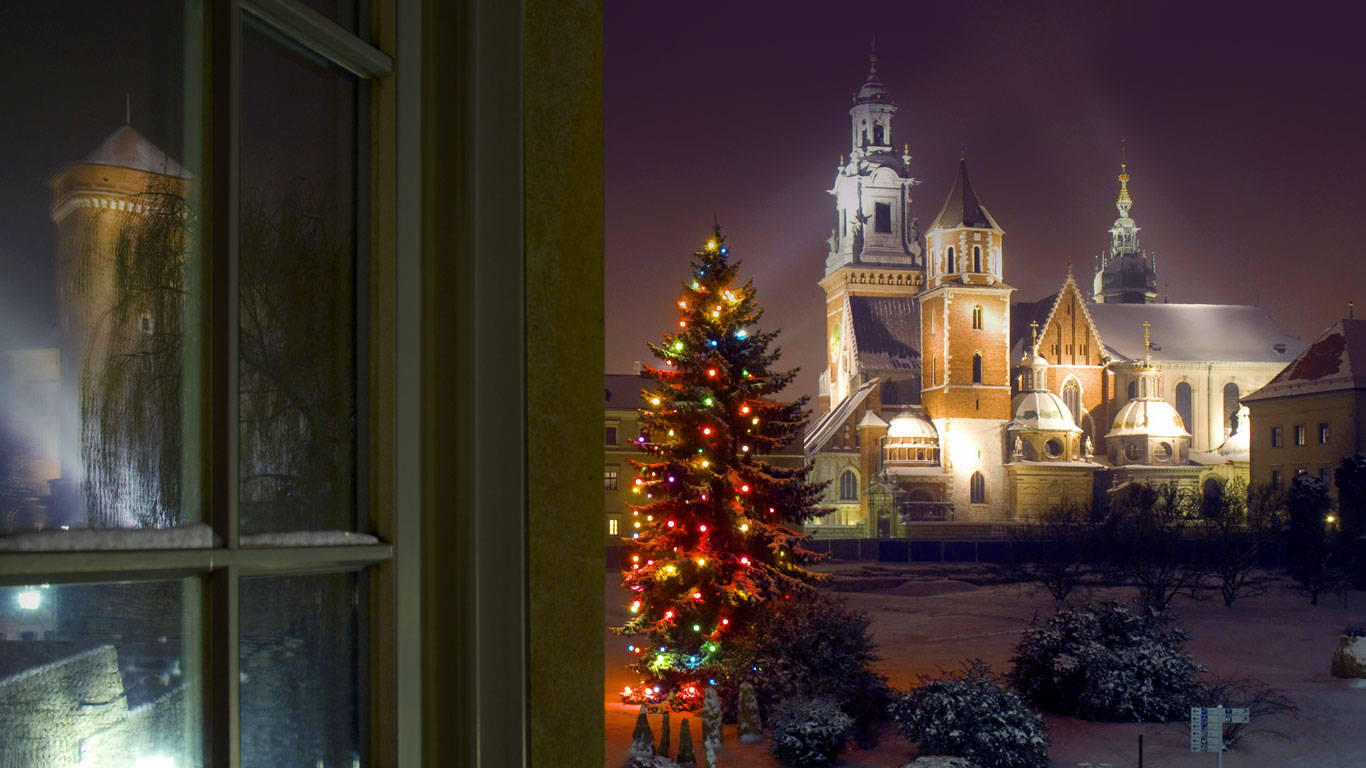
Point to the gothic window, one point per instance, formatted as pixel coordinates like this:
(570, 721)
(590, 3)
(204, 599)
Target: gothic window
(978, 488)
(953, 263)
(976, 258)
(1183, 403)
(977, 317)
(848, 486)
(882, 213)
(1231, 407)
(977, 368)
(1071, 396)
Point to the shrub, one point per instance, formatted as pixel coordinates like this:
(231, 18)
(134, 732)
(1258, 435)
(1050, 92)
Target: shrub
(1107, 663)
(810, 646)
(808, 733)
(971, 715)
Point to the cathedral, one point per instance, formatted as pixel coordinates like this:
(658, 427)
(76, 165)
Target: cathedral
(946, 398)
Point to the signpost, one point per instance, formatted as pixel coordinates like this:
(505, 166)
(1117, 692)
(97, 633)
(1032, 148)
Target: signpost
(1207, 727)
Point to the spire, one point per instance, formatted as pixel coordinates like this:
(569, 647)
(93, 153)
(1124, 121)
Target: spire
(872, 59)
(1147, 345)
(962, 209)
(1034, 331)
(1124, 203)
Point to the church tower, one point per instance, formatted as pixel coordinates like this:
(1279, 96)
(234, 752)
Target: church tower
(96, 202)
(965, 347)
(876, 250)
(1125, 274)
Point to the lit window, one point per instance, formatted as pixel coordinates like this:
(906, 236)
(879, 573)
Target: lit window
(977, 317)
(1275, 437)
(612, 526)
(609, 480)
(848, 486)
(1323, 433)
(1300, 437)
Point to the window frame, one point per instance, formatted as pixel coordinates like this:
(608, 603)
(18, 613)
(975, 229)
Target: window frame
(1301, 435)
(1276, 436)
(977, 488)
(220, 569)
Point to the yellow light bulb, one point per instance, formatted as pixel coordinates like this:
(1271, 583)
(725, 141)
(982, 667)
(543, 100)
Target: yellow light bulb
(706, 463)
(744, 527)
(711, 245)
(701, 561)
(654, 401)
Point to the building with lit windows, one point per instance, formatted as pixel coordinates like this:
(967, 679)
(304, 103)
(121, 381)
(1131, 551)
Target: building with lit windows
(1314, 411)
(944, 399)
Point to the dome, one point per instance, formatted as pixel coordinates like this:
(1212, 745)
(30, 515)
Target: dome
(911, 424)
(1151, 418)
(1032, 359)
(1042, 410)
(1239, 444)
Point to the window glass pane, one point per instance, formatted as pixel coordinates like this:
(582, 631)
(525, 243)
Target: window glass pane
(96, 675)
(298, 290)
(99, 261)
(301, 641)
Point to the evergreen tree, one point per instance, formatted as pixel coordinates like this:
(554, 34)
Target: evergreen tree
(714, 534)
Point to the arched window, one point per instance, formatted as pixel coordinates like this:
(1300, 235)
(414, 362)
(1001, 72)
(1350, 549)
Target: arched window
(953, 263)
(1133, 390)
(976, 258)
(1231, 407)
(877, 134)
(1183, 403)
(977, 317)
(977, 368)
(978, 488)
(848, 486)
(1071, 396)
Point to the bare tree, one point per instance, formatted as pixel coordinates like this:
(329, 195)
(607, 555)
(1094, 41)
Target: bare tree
(1235, 540)
(1146, 543)
(1052, 550)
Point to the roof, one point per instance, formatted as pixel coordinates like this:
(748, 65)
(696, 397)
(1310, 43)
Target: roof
(1194, 332)
(886, 332)
(913, 423)
(1021, 315)
(1043, 411)
(622, 391)
(126, 148)
(1148, 418)
(1335, 362)
(962, 208)
(827, 425)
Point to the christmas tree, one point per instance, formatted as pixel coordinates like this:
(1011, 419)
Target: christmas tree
(713, 535)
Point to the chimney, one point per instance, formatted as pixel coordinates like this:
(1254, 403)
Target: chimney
(636, 367)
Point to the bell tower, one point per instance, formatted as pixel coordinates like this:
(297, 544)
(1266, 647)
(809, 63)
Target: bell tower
(876, 248)
(965, 311)
(1125, 274)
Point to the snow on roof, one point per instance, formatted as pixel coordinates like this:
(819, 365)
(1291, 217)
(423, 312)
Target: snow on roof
(825, 427)
(886, 332)
(193, 536)
(126, 148)
(1194, 332)
(1335, 362)
(962, 208)
(871, 419)
(622, 391)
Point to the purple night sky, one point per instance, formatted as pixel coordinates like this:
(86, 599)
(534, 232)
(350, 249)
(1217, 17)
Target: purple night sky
(1243, 129)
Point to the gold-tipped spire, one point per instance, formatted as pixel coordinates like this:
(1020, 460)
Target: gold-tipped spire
(1124, 203)
(1147, 345)
(1034, 330)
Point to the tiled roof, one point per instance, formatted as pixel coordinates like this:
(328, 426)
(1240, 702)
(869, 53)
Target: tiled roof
(962, 208)
(886, 332)
(1194, 332)
(126, 148)
(1335, 362)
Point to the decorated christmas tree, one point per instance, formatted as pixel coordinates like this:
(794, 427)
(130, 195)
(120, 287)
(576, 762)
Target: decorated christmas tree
(714, 532)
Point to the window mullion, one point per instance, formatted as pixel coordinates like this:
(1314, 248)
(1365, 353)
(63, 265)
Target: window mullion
(222, 715)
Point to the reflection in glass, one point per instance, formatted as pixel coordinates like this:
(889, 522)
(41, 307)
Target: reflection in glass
(99, 675)
(300, 671)
(298, 290)
(97, 207)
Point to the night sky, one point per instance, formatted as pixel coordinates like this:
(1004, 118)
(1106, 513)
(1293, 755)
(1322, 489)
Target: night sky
(1243, 128)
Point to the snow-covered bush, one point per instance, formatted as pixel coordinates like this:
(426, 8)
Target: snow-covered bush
(971, 715)
(810, 646)
(808, 733)
(1105, 662)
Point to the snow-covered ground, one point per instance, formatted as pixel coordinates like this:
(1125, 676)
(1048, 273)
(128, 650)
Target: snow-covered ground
(940, 618)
